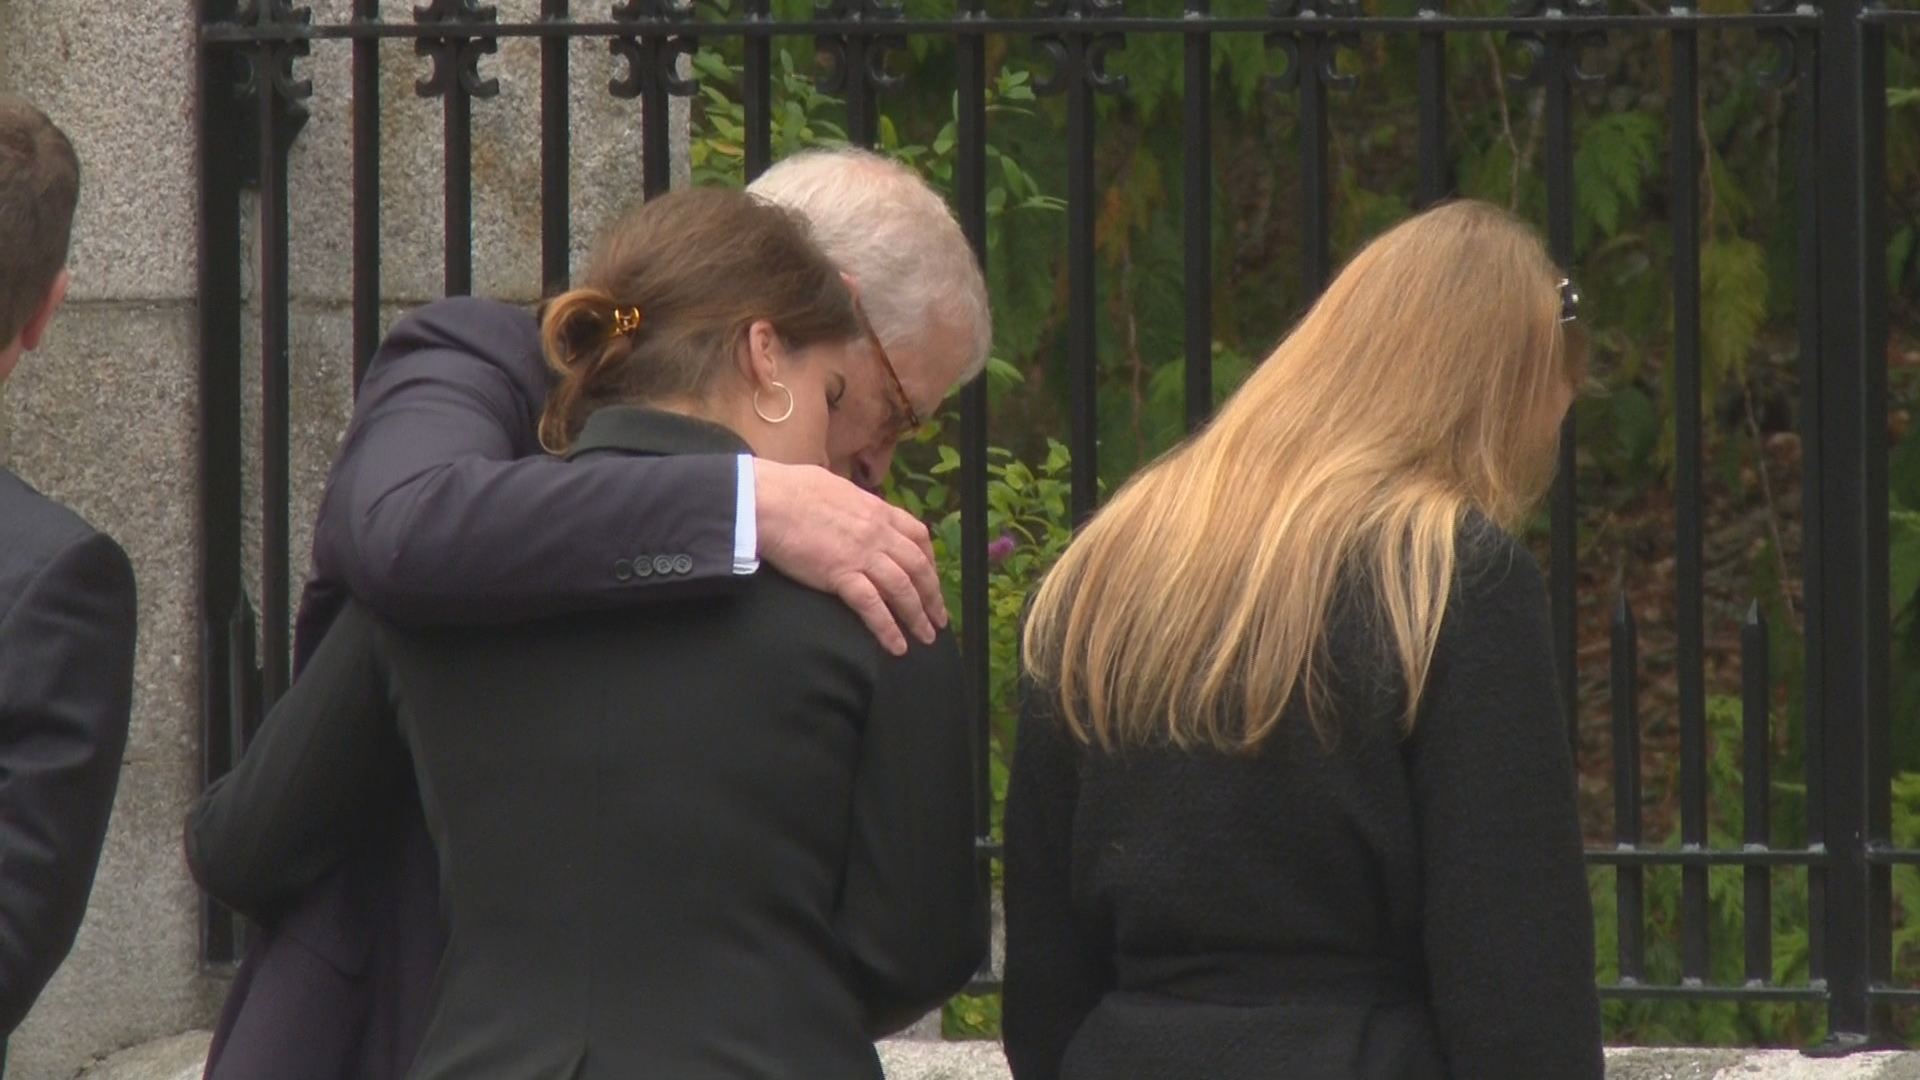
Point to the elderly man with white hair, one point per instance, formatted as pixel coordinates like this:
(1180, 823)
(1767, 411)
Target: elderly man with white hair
(441, 509)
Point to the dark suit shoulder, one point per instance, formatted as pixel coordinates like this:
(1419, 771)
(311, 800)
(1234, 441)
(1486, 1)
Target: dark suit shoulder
(504, 335)
(828, 618)
(34, 532)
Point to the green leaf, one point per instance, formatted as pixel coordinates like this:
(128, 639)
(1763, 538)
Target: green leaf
(1899, 251)
(1903, 550)
(1616, 153)
(1733, 304)
(1903, 471)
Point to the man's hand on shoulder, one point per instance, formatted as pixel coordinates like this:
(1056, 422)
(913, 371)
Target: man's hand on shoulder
(826, 533)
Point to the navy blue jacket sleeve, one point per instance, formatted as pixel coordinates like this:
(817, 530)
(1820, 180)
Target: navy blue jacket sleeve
(66, 691)
(442, 508)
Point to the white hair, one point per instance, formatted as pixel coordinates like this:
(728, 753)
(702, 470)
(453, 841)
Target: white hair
(878, 221)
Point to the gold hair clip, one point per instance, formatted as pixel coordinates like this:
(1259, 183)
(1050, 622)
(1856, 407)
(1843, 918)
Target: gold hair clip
(625, 321)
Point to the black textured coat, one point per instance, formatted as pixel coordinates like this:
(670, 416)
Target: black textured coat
(1405, 906)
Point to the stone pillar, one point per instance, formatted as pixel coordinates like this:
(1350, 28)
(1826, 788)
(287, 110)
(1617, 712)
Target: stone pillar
(105, 418)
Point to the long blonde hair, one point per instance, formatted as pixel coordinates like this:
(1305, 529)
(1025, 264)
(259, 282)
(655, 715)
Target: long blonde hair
(1428, 382)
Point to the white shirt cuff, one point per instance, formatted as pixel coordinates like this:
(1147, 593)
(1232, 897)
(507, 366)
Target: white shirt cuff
(746, 524)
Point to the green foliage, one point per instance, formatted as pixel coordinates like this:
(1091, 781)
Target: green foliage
(972, 1016)
(717, 151)
(1616, 153)
(1733, 306)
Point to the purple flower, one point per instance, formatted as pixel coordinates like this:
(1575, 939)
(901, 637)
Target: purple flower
(998, 550)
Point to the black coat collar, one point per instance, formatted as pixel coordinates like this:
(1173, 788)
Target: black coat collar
(637, 429)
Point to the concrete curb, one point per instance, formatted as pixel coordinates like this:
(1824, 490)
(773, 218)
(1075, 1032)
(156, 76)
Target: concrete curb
(180, 1058)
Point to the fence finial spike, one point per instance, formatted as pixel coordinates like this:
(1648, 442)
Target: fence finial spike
(1622, 609)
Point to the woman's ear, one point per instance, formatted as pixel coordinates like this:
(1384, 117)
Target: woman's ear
(763, 354)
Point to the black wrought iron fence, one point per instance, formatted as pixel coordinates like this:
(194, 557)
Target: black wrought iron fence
(1831, 56)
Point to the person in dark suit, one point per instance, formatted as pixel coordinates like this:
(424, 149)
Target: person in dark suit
(1292, 795)
(441, 509)
(67, 615)
(724, 836)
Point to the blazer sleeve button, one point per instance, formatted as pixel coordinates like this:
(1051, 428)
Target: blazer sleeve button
(623, 571)
(683, 564)
(663, 564)
(642, 566)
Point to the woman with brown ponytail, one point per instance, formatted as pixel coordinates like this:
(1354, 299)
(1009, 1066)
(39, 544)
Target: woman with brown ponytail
(728, 837)
(1294, 798)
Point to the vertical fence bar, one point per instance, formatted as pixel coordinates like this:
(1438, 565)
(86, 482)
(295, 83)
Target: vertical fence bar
(1847, 622)
(1876, 612)
(221, 592)
(556, 154)
(1197, 197)
(1558, 61)
(1756, 744)
(653, 52)
(1083, 359)
(1683, 209)
(275, 596)
(366, 192)
(456, 77)
(863, 110)
(458, 129)
(1629, 881)
(970, 198)
(656, 132)
(1316, 247)
(756, 92)
(1431, 82)
(1807, 211)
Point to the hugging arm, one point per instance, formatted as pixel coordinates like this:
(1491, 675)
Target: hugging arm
(442, 509)
(322, 771)
(912, 913)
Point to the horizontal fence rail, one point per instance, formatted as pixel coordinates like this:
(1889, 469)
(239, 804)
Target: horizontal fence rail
(1830, 58)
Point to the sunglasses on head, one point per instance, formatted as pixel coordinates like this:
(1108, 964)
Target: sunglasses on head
(1569, 300)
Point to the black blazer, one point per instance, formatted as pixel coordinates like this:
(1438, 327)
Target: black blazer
(67, 626)
(1390, 907)
(728, 837)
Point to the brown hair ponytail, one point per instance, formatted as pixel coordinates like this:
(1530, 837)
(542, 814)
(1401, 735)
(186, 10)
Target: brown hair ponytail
(700, 266)
(577, 335)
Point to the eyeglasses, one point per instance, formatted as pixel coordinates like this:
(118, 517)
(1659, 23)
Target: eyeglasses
(911, 415)
(1569, 300)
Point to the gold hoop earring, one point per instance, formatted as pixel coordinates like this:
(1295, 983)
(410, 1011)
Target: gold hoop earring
(782, 418)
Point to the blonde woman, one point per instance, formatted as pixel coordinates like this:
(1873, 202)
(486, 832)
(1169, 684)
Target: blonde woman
(1293, 796)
